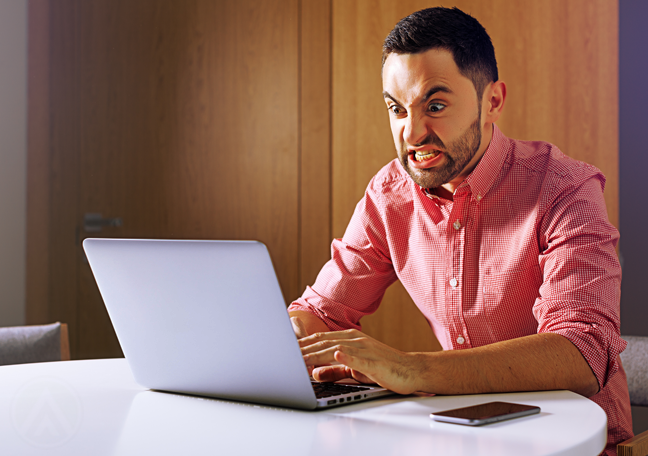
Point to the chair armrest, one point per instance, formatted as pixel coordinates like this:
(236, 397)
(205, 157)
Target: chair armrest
(65, 343)
(636, 446)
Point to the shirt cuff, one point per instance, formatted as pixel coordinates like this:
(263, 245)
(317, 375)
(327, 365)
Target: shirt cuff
(334, 322)
(600, 345)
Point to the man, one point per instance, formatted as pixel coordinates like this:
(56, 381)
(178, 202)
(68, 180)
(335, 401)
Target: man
(504, 245)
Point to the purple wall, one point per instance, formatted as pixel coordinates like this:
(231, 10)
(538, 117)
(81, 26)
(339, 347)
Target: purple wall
(633, 158)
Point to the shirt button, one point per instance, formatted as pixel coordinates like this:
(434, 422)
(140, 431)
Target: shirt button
(457, 224)
(460, 340)
(479, 197)
(453, 282)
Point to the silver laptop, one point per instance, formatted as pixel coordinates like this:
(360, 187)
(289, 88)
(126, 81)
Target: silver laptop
(208, 318)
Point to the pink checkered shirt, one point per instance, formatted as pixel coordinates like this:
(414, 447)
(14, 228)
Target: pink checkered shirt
(525, 247)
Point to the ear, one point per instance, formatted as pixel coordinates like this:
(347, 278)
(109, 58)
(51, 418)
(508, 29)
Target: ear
(493, 101)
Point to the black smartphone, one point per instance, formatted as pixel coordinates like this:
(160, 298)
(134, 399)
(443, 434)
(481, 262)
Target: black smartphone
(489, 412)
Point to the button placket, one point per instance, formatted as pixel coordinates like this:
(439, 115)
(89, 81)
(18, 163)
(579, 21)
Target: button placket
(459, 234)
(456, 261)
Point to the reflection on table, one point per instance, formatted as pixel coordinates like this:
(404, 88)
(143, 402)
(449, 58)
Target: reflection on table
(95, 407)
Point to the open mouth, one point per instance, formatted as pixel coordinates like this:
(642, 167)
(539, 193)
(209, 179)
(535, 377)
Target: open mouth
(425, 154)
(426, 159)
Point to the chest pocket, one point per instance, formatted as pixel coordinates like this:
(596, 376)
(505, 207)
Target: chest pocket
(508, 302)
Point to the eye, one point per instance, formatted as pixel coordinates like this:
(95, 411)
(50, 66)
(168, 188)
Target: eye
(396, 110)
(436, 107)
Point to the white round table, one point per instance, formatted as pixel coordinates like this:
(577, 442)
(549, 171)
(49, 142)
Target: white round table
(95, 408)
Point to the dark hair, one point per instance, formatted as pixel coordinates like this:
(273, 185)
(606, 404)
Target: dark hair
(452, 30)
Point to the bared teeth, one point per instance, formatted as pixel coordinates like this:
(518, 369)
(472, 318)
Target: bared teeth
(426, 155)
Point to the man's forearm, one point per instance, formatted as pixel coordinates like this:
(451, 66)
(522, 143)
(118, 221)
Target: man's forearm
(538, 362)
(534, 363)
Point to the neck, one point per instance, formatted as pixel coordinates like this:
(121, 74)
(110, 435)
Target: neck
(450, 187)
(445, 193)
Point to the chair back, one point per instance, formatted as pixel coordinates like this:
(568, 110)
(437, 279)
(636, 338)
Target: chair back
(34, 344)
(635, 363)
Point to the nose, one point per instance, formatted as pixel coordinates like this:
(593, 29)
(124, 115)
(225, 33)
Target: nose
(416, 129)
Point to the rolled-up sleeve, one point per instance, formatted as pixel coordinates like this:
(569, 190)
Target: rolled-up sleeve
(580, 294)
(353, 282)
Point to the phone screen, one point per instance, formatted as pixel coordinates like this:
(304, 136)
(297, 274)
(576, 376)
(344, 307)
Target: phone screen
(485, 413)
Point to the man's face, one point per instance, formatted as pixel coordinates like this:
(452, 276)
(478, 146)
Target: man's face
(435, 117)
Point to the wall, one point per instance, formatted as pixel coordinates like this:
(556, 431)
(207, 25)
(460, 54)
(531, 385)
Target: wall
(633, 119)
(13, 153)
(200, 119)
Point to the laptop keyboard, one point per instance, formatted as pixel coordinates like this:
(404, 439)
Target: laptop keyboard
(323, 389)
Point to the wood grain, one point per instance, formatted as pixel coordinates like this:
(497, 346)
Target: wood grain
(315, 139)
(63, 170)
(562, 79)
(38, 209)
(65, 342)
(182, 119)
(559, 60)
(636, 446)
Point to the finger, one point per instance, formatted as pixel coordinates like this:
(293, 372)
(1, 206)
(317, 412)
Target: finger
(320, 357)
(331, 373)
(335, 373)
(359, 368)
(344, 358)
(331, 335)
(322, 345)
(362, 369)
(323, 352)
(298, 327)
(309, 346)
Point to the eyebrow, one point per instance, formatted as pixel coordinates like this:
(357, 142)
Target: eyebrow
(431, 91)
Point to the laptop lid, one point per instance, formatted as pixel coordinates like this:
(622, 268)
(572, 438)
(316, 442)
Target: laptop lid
(202, 317)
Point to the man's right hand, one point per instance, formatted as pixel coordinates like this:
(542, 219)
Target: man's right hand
(299, 327)
(306, 324)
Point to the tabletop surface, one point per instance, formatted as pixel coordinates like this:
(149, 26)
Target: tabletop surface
(95, 407)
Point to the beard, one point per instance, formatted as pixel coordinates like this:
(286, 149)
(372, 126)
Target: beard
(458, 154)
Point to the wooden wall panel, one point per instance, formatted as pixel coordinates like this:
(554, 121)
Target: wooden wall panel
(183, 119)
(37, 270)
(315, 138)
(559, 60)
(64, 168)
(237, 128)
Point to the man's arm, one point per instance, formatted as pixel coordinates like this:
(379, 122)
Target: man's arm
(352, 283)
(533, 363)
(305, 323)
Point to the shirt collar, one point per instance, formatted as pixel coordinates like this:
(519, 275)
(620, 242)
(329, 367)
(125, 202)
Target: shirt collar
(482, 178)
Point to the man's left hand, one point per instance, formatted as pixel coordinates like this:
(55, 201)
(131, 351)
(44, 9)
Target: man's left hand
(362, 358)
